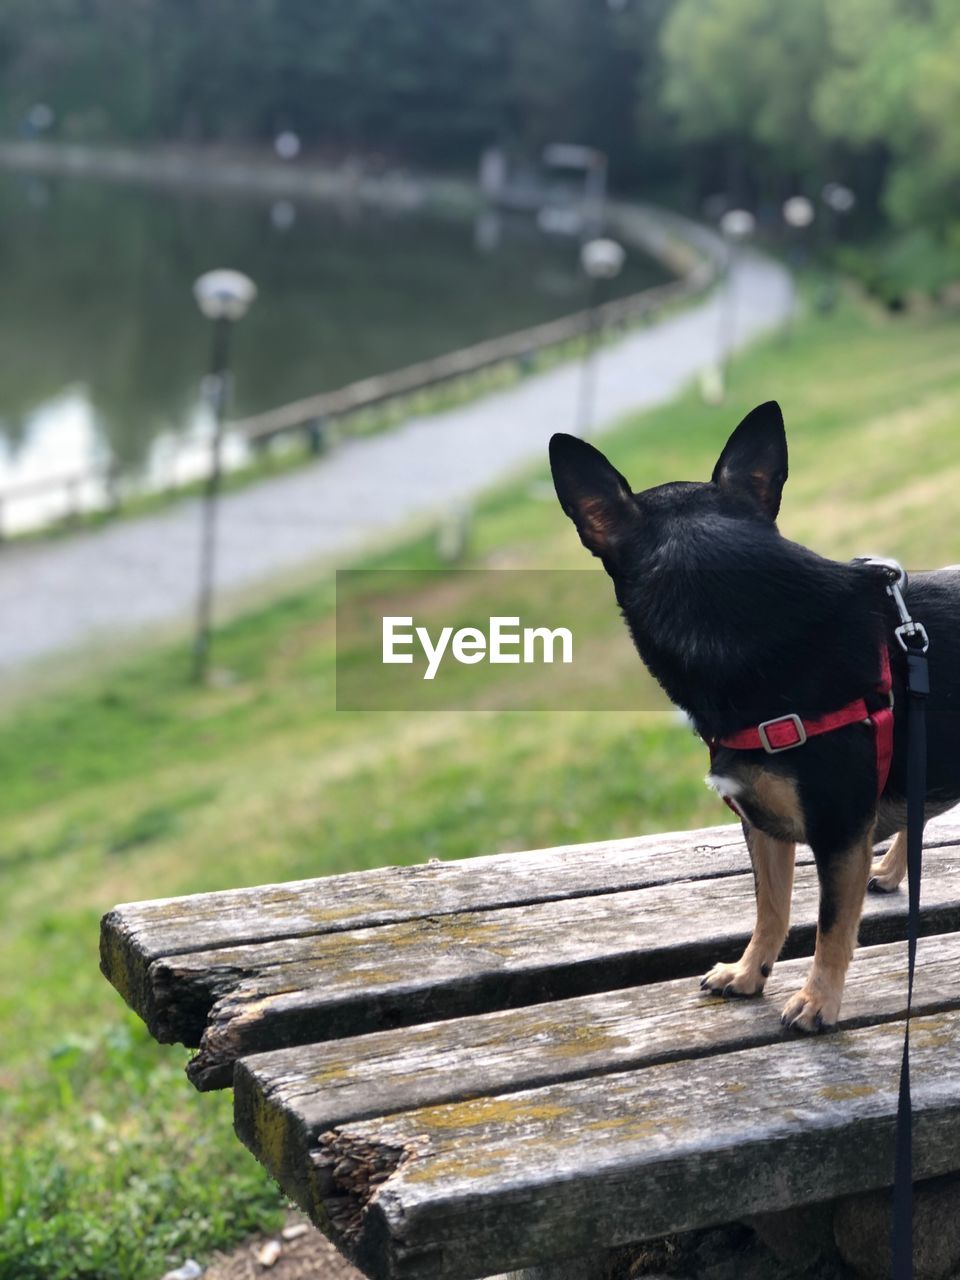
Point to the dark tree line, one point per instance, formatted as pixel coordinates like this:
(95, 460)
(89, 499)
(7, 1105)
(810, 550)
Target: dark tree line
(755, 96)
(427, 80)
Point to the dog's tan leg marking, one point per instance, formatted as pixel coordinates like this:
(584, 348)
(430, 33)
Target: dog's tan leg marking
(773, 862)
(889, 872)
(817, 1004)
(777, 795)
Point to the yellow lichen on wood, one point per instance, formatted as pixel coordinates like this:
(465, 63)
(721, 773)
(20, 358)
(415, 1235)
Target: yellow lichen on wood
(366, 979)
(458, 1166)
(573, 1040)
(633, 1126)
(481, 1111)
(929, 1024)
(336, 1072)
(115, 964)
(269, 1134)
(844, 1092)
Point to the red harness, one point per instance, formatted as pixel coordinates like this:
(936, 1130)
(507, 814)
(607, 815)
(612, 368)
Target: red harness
(786, 732)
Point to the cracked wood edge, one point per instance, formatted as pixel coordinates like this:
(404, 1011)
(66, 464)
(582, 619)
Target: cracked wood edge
(493, 1184)
(433, 969)
(286, 1099)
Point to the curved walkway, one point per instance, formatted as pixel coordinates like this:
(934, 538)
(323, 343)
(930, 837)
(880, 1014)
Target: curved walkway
(141, 572)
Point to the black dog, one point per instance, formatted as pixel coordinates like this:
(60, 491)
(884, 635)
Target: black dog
(744, 629)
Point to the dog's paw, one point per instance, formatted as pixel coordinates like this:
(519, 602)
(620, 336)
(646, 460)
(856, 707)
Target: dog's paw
(735, 980)
(887, 875)
(880, 883)
(811, 1010)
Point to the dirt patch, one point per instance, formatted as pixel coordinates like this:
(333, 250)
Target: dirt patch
(732, 1252)
(310, 1256)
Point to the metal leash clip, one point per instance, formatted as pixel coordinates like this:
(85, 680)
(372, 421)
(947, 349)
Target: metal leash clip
(911, 636)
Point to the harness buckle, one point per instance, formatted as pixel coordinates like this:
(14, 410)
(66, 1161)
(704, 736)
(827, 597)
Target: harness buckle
(911, 630)
(794, 720)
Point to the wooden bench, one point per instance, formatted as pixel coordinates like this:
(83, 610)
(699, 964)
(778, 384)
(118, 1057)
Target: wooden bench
(465, 1067)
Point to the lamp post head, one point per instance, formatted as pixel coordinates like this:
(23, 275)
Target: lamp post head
(798, 212)
(738, 224)
(838, 197)
(224, 295)
(40, 117)
(287, 145)
(602, 259)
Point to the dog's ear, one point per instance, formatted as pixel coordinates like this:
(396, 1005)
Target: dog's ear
(754, 459)
(593, 493)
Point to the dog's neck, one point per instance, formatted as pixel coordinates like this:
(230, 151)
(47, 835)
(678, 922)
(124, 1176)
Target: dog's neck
(745, 628)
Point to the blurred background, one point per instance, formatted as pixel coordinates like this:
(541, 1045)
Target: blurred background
(449, 230)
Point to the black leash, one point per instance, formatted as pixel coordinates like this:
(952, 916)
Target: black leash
(913, 640)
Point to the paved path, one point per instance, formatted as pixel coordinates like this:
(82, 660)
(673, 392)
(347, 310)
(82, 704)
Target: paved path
(141, 572)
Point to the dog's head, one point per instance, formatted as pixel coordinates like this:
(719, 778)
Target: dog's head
(624, 528)
(689, 560)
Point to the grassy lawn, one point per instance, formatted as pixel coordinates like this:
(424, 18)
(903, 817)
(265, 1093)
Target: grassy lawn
(138, 786)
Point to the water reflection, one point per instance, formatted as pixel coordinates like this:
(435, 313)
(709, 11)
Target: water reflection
(103, 350)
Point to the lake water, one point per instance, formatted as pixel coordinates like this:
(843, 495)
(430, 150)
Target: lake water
(103, 350)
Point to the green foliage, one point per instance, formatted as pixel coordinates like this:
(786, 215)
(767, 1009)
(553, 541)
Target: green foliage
(900, 267)
(742, 69)
(893, 83)
(87, 1198)
(809, 91)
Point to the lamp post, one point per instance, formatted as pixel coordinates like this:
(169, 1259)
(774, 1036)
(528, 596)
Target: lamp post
(736, 227)
(601, 260)
(840, 201)
(838, 198)
(799, 214)
(224, 297)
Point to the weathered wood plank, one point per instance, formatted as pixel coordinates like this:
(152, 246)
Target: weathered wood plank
(384, 895)
(286, 1099)
(308, 989)
(134, 935)
(461, 1190)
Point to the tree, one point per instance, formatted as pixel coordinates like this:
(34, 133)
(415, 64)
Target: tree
(893, 84)
(740, 72)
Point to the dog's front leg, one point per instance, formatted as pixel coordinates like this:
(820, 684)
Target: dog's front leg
(773, 863)
(843, 878)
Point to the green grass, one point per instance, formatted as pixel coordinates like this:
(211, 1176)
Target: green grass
(135, 785)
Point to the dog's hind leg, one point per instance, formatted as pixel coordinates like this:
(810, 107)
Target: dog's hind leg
(889, 872)
(843, 883)
(773, 863)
